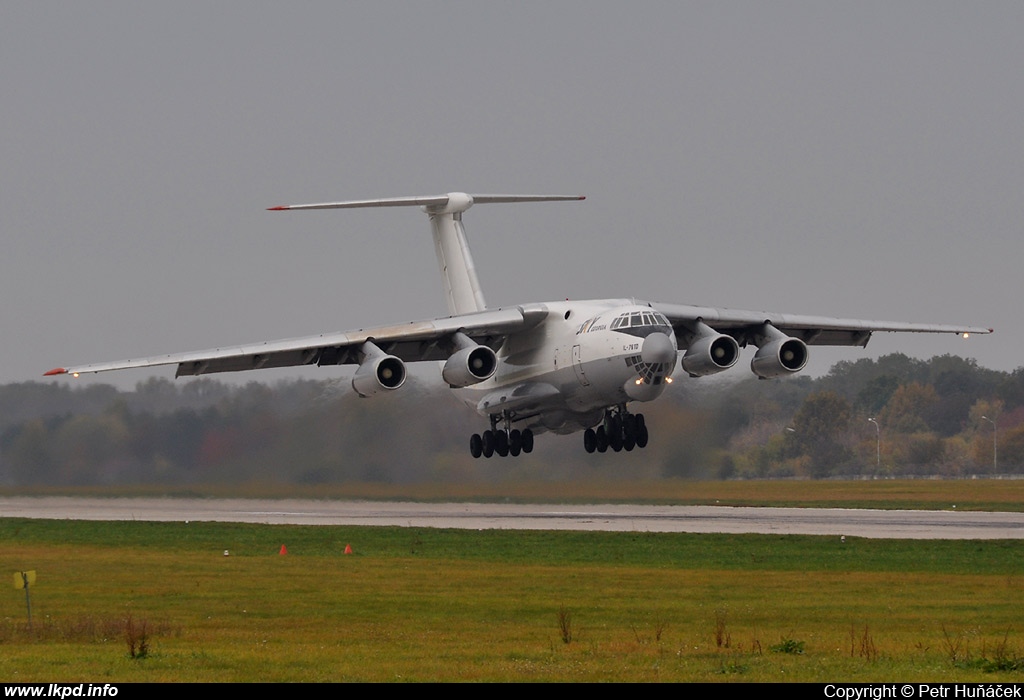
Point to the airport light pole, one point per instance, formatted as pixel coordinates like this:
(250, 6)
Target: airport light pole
(878, 444)
(995, 445)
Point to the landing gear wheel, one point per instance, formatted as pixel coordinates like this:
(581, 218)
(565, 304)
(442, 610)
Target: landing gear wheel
(602, 439)
(628, 426)
(527, 438)
(628, 432)
(589, 440)
(488, 443)
(615, 433)
(476, 446)
(641, 431)
(515, 442)
(501, 443)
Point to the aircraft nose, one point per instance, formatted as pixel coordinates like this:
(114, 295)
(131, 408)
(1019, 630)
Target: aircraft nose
(658, 347)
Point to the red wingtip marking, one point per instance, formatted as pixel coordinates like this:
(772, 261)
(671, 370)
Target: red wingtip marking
(58, 370)
(277, 208)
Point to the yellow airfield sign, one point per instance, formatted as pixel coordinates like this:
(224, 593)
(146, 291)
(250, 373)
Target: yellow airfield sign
(24, 579)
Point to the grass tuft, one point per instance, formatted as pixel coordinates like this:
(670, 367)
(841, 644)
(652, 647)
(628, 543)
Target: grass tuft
(723, 639)
(863, 643)
(136, 637)
(565, 625)
(788, 646)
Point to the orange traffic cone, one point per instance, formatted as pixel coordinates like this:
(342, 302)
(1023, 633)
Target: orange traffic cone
(348, 549)
(284, 550)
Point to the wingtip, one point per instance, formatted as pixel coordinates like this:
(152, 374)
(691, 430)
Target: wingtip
(55, 371)
(278, 208)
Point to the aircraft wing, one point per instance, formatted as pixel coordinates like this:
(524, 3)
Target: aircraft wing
(410, 342)
(813, 330)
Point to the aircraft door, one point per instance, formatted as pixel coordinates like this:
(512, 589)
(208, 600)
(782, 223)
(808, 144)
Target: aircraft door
(577, 364)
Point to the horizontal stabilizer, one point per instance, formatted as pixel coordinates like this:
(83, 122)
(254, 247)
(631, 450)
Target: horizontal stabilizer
(451, 202)
(458, 273)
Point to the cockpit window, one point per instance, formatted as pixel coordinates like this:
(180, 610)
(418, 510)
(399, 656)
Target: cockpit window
(631, 319)
(637, 319)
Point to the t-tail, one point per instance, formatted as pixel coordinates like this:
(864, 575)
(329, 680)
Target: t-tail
(458, 274)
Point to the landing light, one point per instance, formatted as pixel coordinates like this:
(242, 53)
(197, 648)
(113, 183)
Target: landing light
(75, 374)
(967, 335)
(668, 380)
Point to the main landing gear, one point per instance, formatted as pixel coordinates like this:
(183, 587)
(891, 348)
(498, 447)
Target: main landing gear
(501, 441)
(621, 430)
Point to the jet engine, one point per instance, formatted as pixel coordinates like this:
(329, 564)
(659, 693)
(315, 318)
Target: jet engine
(710, 354)
(470, 365)
(377, 372)
(778, 354)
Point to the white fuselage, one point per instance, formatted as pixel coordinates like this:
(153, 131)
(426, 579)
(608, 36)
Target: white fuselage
(584, 357)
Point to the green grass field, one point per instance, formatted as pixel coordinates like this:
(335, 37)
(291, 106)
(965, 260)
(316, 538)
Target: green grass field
(445, 605)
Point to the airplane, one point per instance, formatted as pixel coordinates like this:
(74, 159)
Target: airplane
(560, 367)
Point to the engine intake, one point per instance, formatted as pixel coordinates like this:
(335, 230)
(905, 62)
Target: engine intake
(468, 366)
(378, 372)
(710, 354)
(780, 357)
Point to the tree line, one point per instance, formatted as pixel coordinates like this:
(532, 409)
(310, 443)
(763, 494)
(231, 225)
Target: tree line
(893, 416)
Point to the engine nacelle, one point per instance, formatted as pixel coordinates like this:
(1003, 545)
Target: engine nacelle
(468, 366)
(378, 373)
(711, 354)
(779, 358)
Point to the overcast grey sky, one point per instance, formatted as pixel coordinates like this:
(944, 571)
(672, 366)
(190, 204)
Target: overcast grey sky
(855, 159)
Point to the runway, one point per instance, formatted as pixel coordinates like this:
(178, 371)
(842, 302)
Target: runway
(894, 524)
